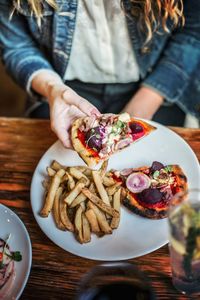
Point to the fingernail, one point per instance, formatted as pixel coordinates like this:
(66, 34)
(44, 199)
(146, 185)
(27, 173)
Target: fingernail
(95, 112)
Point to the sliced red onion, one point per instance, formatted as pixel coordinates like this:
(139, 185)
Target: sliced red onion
(137, 182)
(123, 143)
(126, 172)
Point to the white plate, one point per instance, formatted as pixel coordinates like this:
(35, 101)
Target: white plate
(19, 241)
(135, 236)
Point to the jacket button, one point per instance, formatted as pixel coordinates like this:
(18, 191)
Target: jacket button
(145, 50)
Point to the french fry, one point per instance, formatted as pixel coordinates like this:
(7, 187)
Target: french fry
(51, 193)
(79, 199)
(116, 205)
(92, 219)
(46, 184)
(78, 174)
(71, 183)
(56, 209)
(98, 202)
(81, 168)
(76, 191)
(92, 188)
(83, 205)
(103, 168)
(78, 225)
(86, 229)
(101, 218)
(56, 165)
(71, 212)
(100, 188)
(108, 181)
(88, 172)
(112, 189)
(50, 171)
(65, 177)
(64, 216)
(110, 199)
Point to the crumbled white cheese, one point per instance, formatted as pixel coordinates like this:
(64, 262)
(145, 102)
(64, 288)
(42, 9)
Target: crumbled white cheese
(112, 138)
(125, 117)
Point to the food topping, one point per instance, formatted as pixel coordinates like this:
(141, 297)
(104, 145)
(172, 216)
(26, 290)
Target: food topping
(162, 178)
(150, 195)
(94, 137)
(110, 132)
(156, 185)
(126, 172)
(136, 127)
(123, 143)
(137, 182)
(125, 117)
(7, 259)
(156, 166)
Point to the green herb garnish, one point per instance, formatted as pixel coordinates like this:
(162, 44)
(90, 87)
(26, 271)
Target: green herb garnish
(168, 168)
(156, 174)
(16, 256)
(120, 124)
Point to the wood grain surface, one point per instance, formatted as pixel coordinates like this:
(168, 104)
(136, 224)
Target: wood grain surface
(55, 273)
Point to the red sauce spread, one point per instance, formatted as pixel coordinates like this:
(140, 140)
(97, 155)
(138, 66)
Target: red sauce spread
(175, 187)
(159, 204)
(118, 179)
(81, 137)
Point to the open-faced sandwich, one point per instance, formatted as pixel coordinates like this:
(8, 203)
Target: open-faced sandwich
(96, 138)
(147, 191)
(7, 268)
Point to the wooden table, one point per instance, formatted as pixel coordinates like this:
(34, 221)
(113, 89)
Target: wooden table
(55, 273)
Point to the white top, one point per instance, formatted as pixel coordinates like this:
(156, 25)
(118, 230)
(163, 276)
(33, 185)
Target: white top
(101, 49)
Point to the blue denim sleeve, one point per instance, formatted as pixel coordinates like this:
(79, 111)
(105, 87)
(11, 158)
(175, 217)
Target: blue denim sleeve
(19, 52)
(180, 59)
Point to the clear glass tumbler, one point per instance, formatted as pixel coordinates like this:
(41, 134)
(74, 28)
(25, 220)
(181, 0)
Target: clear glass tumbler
(115, 281)
(184, 241)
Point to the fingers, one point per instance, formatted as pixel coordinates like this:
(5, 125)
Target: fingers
(82, 104)
(61, 120)
(64, 137)
(74, 113)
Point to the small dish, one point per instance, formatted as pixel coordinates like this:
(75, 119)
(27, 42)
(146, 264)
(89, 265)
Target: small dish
(19, 240)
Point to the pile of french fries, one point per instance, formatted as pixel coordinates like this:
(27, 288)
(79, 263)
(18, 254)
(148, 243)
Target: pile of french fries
(82, 200)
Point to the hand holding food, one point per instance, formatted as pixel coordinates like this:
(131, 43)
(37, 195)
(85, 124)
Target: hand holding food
(65, 107)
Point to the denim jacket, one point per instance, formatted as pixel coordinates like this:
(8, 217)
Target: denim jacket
(170, 64)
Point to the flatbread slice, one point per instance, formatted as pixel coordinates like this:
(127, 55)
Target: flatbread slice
(95, 139)
(148, 192)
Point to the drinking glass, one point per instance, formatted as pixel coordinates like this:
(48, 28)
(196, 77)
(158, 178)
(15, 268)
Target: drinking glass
(184, 241)
(114, 281)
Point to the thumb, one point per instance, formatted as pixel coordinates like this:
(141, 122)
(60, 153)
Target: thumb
(64, 137)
